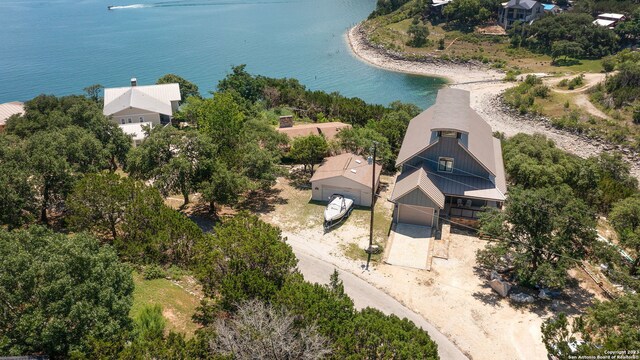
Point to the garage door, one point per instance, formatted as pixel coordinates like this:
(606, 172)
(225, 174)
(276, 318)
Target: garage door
(353, 194)
(415, 215)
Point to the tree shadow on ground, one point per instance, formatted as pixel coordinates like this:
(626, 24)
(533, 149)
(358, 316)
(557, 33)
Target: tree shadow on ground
(262, 201)
(299, 179)
(200, 213)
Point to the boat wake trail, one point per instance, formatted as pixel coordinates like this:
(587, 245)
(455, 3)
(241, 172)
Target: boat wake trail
(195, 3)
(132, 6)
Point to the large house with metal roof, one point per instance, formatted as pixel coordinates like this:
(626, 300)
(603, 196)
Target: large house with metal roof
(451, 165)
(153, 104)
(519, 10)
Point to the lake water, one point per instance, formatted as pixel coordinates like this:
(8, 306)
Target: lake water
(61, 46)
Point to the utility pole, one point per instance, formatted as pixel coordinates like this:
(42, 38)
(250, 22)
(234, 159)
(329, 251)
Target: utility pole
(373, 202)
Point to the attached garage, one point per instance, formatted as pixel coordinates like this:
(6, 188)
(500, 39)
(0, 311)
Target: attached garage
(415, 215)
(346, 174)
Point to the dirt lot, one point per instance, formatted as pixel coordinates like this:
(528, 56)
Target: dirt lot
(453, 296)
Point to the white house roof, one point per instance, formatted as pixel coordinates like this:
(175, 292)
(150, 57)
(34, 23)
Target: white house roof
(136, 130)
(602, 22)
(153, 98)
(611, 16)
(521, 4)
(9, 109)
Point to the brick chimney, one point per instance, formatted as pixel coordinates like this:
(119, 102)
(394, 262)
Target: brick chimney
(134, 82)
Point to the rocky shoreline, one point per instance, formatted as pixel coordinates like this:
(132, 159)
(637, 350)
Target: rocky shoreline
(486, 87)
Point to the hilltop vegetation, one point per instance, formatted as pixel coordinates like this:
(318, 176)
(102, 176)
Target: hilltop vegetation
(451, 33)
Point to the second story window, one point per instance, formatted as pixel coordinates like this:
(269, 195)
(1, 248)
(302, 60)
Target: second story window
(445, 164)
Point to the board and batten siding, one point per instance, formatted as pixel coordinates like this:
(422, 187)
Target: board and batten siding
(417, 198)
(463, 162)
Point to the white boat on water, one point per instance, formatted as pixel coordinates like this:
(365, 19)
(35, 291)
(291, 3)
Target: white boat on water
(339, 207)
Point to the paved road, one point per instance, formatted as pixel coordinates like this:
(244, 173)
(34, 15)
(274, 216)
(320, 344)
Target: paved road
(365, 294)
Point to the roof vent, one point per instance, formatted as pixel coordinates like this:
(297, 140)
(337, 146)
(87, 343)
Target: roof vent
(353, 171)
(134, 82)
(369, 160)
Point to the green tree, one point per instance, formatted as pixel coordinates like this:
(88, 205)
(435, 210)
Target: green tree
(99, 202)
(381, 336)
(565, 48)
(606, 326)
(187, 88)
(245, 259)
(93, 92)
(223, 121)
(223, 187)
(57, 158)
(625, 218)
(360, 141)
(243, 83)
(466, 13)
(175, 160)
(309, 150)
(418, 35)
(59, 292)
(540, 235)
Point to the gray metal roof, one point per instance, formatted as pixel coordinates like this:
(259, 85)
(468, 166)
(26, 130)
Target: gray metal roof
(418, 178)
(153, 98)
(349, 166)
(521, 4)
(452, 111)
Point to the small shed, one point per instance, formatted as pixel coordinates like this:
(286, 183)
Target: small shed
(345, 174)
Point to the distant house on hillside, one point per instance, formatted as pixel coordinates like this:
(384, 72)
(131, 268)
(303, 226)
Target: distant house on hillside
(138, 104)
(328, 129)
(519, 10)
(9, 109)
(551, 9)
(451, 165)
(609, 20)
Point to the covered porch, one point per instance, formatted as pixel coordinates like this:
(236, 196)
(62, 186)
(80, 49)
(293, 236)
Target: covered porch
(467, 210)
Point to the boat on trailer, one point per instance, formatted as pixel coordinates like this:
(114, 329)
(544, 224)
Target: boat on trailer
(338, 210)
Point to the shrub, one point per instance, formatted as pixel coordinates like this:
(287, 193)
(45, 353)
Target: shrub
(541, 91)
(608, 64)
(154, 272)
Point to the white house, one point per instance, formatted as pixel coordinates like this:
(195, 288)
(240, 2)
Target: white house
(138, 104)
(609, 20)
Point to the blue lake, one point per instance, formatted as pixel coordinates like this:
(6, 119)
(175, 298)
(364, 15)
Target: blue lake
(61, 46)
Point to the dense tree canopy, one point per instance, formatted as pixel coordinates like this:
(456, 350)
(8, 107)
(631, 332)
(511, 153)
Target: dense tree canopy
(309, 150)
(607, 326)
(245, 259)
(540, 235)
(59, 293)
(570, 32)
(625, 217)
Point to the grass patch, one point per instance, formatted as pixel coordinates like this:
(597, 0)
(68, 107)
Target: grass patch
(178, 305)
(355, 252)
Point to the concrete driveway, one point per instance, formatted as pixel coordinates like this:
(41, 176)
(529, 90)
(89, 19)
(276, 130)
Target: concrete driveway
(408, 246)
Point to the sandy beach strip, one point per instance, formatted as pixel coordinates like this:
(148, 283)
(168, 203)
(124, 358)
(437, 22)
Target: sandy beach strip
(485, 86)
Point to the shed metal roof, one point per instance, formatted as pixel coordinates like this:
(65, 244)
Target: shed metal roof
(349, 166)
